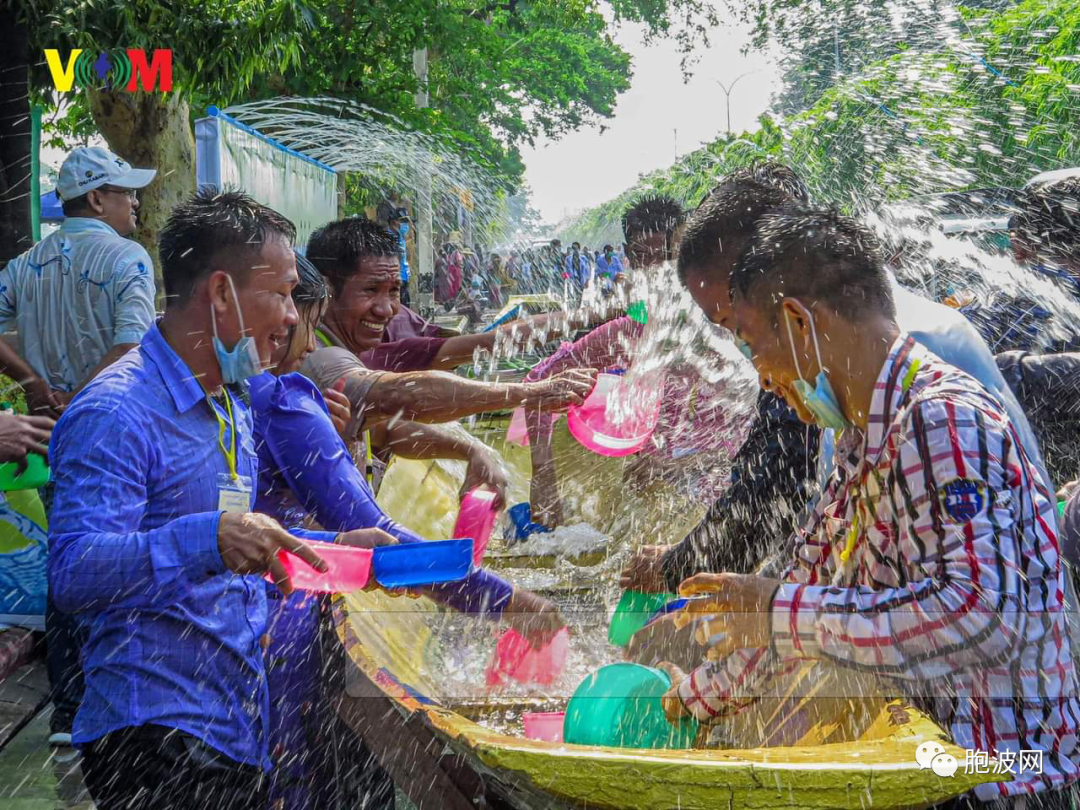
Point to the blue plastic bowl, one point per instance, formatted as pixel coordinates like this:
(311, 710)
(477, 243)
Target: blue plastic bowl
(409, 564)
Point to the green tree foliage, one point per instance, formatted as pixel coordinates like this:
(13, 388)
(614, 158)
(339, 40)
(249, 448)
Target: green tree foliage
(993, 102)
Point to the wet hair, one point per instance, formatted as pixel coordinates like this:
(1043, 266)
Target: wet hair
(725, 220)
(208, 224)
(1047, 221)
(817, 256)
(337, 248)
(312, 288)
(607, 248)
(653, 214)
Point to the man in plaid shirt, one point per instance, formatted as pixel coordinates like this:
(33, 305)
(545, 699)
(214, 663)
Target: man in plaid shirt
(931, 559)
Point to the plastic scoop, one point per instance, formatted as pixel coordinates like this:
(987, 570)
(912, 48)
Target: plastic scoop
(36, 473)
(633, 612)
(476, 519)
(516, 659)
(408, 564)
(545, 726)
(619, 705)
(593, 426)
(521, 516)
(348, 569)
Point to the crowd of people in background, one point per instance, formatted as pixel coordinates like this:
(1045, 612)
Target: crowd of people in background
(472, 280)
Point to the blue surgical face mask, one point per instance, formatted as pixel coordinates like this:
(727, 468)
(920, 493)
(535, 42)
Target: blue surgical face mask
(821, 399)
(743, 347)
(242, 361)
(403, 229)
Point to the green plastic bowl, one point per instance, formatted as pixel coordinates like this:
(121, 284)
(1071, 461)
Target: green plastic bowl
(632, 612)
(619, 706)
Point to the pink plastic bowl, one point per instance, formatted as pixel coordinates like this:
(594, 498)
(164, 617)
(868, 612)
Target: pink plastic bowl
(545, 726)
(515, 658)
(348, 568)
(476, 519)
(590, 425)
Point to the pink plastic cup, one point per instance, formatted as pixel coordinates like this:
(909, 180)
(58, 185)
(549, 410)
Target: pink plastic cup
(515, 658)
(476, 519)
(544, 726)
(590, 425)
(348, 569)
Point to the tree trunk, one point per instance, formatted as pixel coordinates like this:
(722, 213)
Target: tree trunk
(150, 131)
(16, 235)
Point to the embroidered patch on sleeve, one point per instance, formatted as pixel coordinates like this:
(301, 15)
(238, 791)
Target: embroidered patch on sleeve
(962, 499)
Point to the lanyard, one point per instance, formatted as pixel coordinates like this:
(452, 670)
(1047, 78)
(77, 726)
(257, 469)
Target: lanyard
(369, 463)
(853, 534)
(230, 452)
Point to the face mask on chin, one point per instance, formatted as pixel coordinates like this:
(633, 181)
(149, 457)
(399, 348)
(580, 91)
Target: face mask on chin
(242, 360)
(820, 400)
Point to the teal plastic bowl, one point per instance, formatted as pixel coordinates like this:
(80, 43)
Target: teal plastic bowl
(619, 706)
(633, 611)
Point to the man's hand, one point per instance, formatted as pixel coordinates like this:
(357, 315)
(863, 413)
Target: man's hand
(338, 406)
(21, 435)
(644, 572)
(673, 706)
(664, 640)
(485, 470)
(41, 400)
(733, 613)
(533, 616)
(249, 543)
(366, 538)
(559, 392)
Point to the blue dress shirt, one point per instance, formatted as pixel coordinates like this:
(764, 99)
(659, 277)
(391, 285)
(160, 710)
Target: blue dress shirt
(173, 634)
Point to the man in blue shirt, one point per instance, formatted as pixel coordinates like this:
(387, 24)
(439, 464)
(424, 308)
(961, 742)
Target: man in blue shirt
(154, 543)
(399, 224)
(608, 267)
(577, 266)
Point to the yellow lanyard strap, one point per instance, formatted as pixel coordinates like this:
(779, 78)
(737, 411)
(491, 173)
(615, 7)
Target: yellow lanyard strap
(369, 466)
(230, 452)
(853, 534)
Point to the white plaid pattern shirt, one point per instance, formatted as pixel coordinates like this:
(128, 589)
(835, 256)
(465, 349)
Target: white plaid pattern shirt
(953, 589)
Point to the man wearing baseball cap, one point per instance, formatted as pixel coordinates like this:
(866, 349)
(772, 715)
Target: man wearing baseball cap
(79, 299)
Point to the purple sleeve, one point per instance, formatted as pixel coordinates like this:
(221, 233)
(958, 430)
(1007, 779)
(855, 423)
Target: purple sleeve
(408, 354)
(296, 436)
(605, 347)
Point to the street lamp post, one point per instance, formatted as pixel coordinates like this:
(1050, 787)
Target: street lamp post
(727, 93)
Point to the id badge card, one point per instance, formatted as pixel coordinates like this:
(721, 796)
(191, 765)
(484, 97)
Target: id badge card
(234, 494)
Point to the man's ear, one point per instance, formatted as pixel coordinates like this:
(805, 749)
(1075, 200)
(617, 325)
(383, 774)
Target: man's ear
(798, 316)
(95, 201)
(218, 292)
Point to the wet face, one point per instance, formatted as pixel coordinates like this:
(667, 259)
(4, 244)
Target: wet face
(264, 293)
(709, 289)
(291, 356)
(116, 207)
(367, 302)
(763, 330)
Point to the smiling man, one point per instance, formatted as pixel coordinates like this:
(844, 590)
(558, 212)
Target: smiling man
(359, 259)
(153, 541)
(931, 559)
